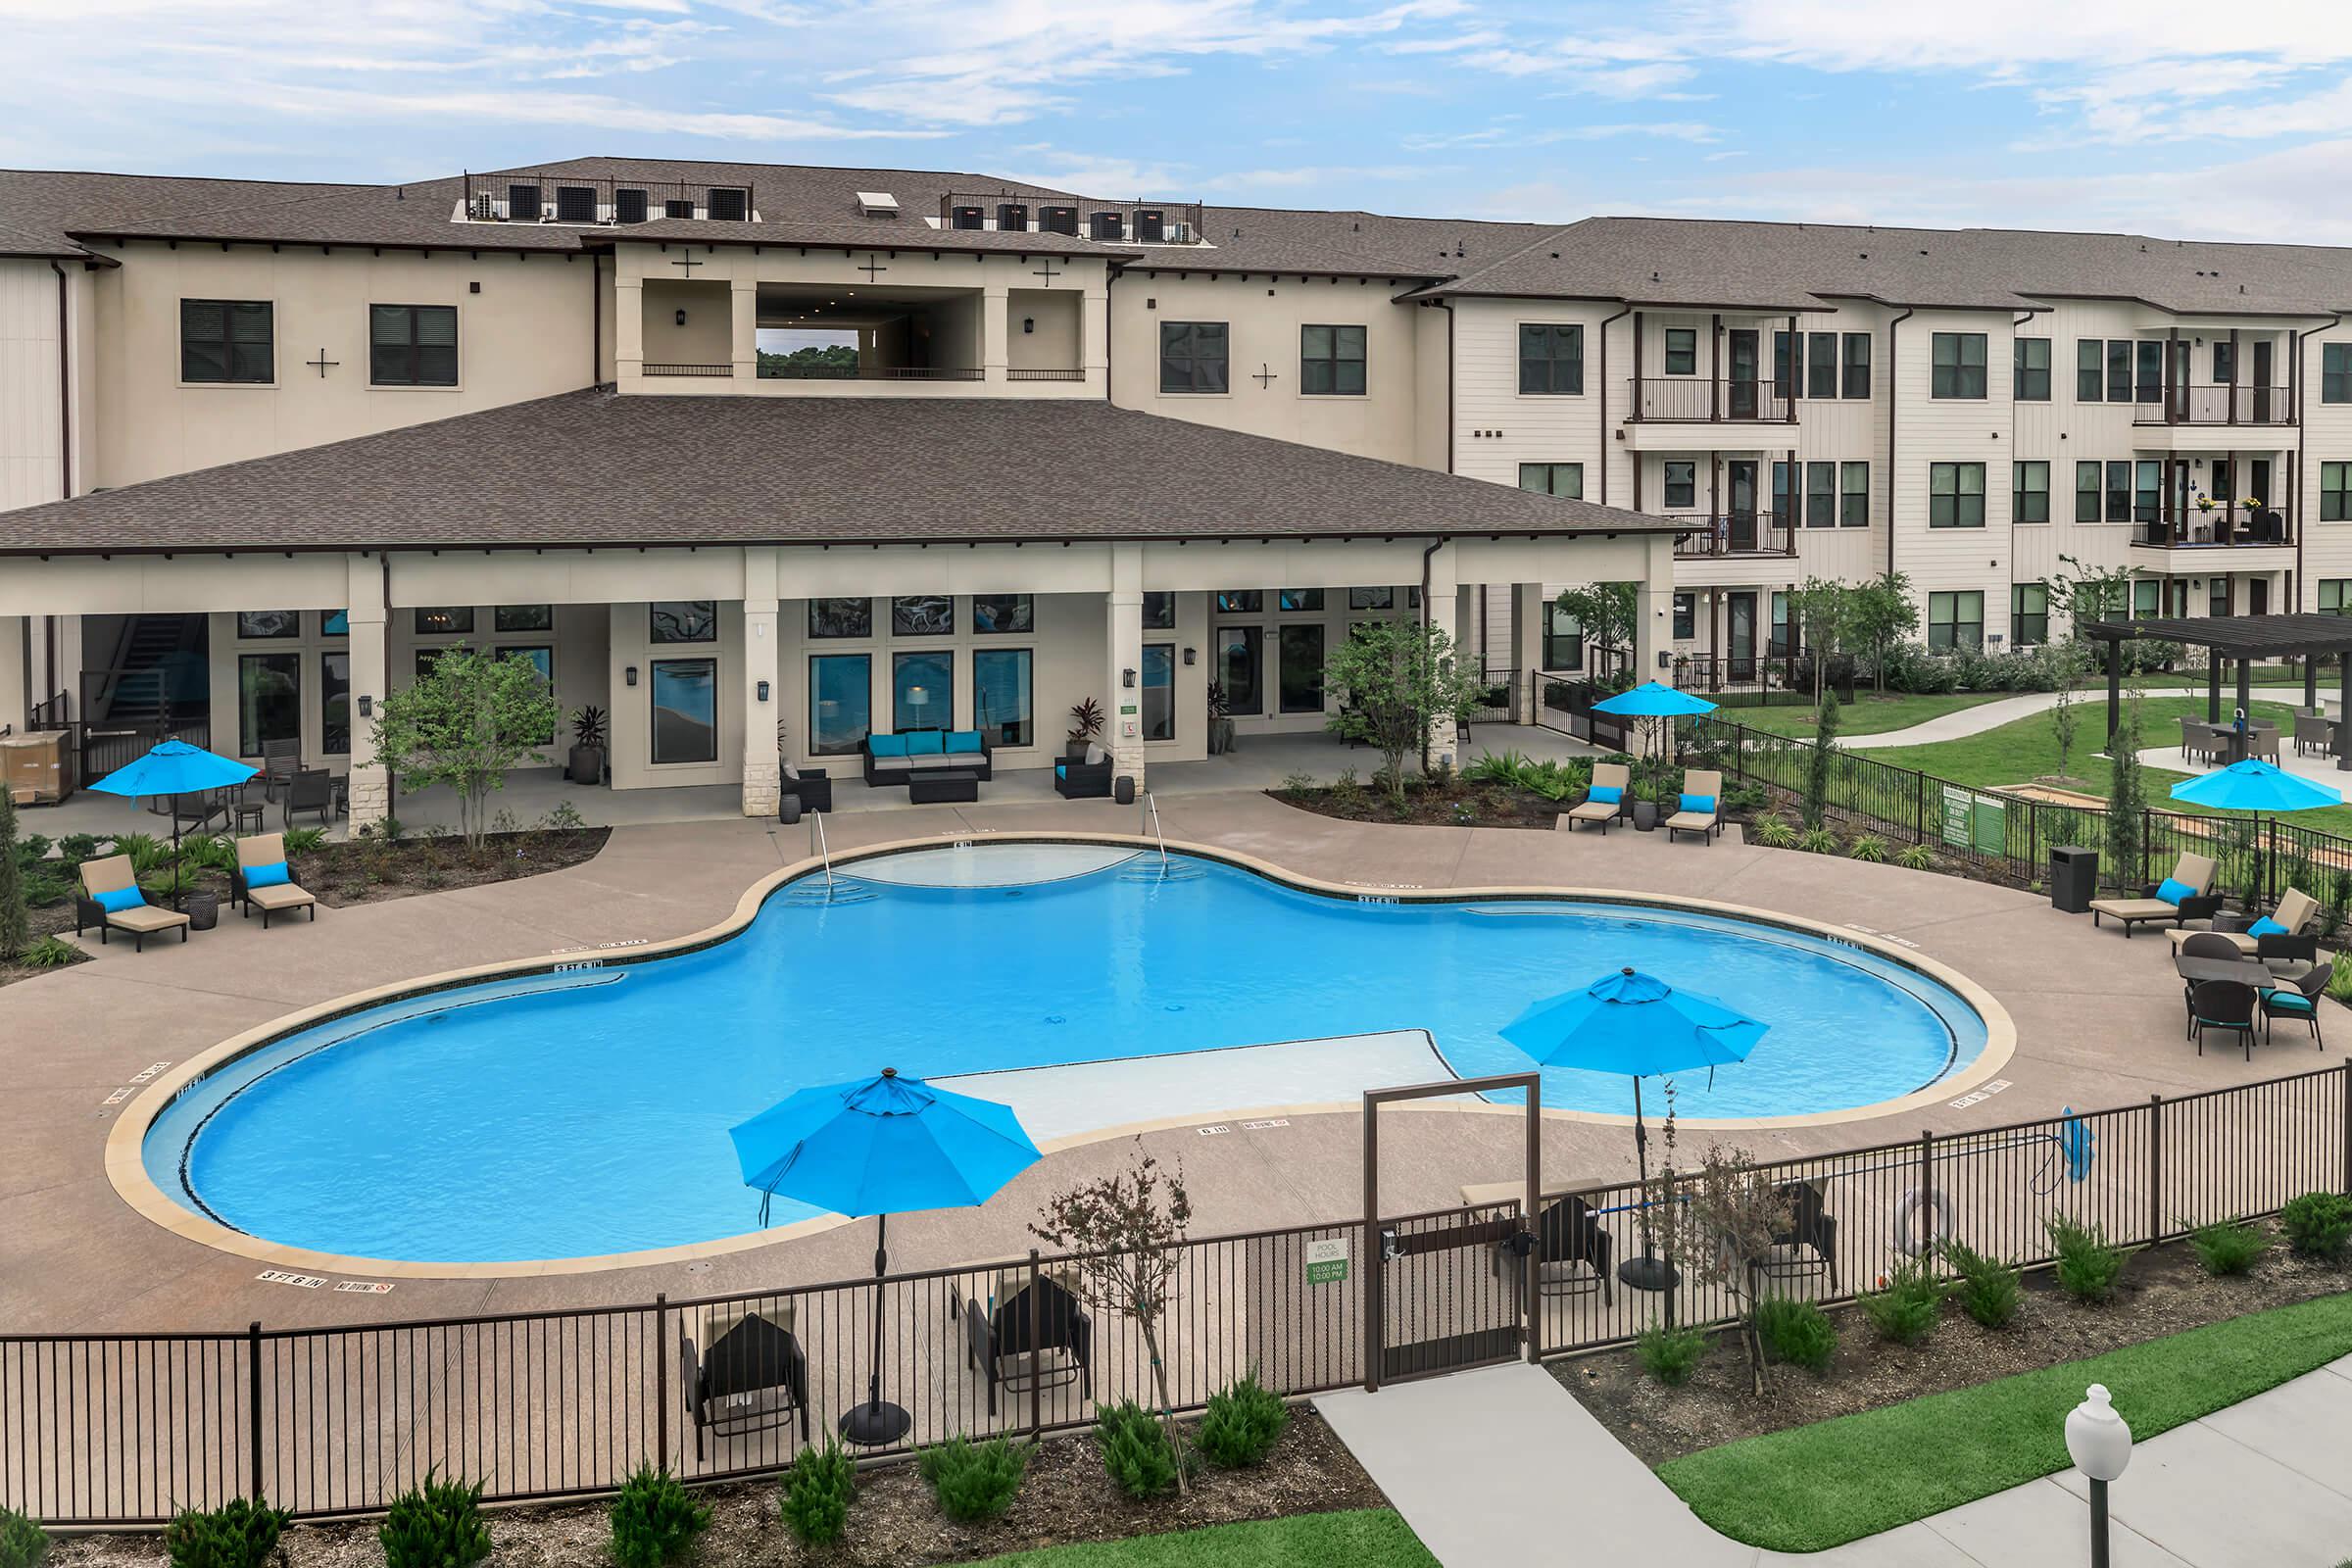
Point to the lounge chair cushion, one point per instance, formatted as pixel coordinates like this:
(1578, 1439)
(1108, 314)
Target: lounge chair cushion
(2172, 890)
(1096, 755)
(2268, 928)
(1699, 805)
(923, 743)
(268, 876)
(887, 745)
(2136, 909)
(1606, 794)
(114, 900)
(145, 918)
(282, 896)
(963, 743)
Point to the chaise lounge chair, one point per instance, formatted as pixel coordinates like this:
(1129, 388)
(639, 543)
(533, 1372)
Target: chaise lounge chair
(111, 896)
(1604, 801)
(1009, 1343)
(2186, 895)
(261, 880)
(1573, 1251)
(1700, 812)
(2294, 915)
(756, 1378)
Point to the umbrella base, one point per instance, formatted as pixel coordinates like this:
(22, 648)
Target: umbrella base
(872, 1425)
(1648, 1274)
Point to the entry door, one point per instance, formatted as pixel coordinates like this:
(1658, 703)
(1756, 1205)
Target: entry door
(2258, 596)
(1740, 477)
(2262, 386)
(1741, 344)
(1740, 640)
(1241, 670)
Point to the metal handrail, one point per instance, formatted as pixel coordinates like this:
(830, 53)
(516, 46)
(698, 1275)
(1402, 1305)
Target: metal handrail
(1151, 816)
(816, 821)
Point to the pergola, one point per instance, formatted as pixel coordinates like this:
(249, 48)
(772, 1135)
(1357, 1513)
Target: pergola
(2244, 639)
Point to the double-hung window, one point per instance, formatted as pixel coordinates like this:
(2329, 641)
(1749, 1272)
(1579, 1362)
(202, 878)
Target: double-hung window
(2029, 498)
(1681, 484)
(1554, 480)
(1331, 360)
(1956, 619)
(2119, 492)
(1955, 495)
(2335, 372)
(1682, 351)
(2087, 492)
(2033, 370)
(1957, 365)
(1551, 360)
(2335, 596)
(413, 345)
(2090, 355)
(1821, 495)
(1857, 364)
(2029, 614)
(1821, 364)
(1853, 502)
(2335, 492)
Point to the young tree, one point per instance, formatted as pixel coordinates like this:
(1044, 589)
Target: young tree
(2064, 664)
(1125, 1234)
(16, 925)
(466, 720)
(2091, 593)
(1606, 612)
(1398, 678)
(1879, 615)
(1715, 1225)
(2127, 803)
(1823, 612)
(1820, 760)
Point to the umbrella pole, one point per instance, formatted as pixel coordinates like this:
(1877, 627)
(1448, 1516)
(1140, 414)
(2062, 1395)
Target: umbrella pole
(876, 1423)
(1648, 1272)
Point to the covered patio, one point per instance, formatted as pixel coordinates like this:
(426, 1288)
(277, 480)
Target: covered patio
(2244, 641)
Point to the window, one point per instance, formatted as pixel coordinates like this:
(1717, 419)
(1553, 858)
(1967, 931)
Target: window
(1002, 706)
(2119, 371)
(1776, 641)
(1821, 495)
(922, 615)
(684, 620)
(1192, 356)
(1300, 678)
(2148, 491)
(2149, 383)
(2217, 595)
(2335, 372)
(841, 697)
(1300, 600)
(923, 691)
(1857, 364)
(2225, 488)
(1681, 484)
(2144, 596)
(1551, 360)
(1371, 599)
(2335, 492)
(1564, 639)
(1682, 351)
(2090, 354)
(1789, 363)
(258, 624)
(998, 613)
(1853, 505)
(2030, 501)
(1158, 680)
(1553, 478)
(443, 621)
(1240, 601)
(1331, 360)
(2119, 492)
(840, 617)
(2221, 360)
(226, 340)
(524, 618)
(413, 345)
(1160, 611)
(1956, 496)
(1957, 365)
(1239, 669)
(2087, 492)
(2029, 614)
(685, 709)
(335, 704)
(2033, 370)
(1820, 364)
(1784, 498)
(269, 700)
(2335, 596)
(1686, 616)
(1956, 621)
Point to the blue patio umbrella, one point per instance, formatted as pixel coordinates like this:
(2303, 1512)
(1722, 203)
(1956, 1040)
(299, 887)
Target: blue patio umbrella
(174, 767)
(2254, 785)
(1654, 699)
(1635, 1025)
(881, 1146)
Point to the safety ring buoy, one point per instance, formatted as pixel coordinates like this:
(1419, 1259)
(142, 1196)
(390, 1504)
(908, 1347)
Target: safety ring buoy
(1907, 1239)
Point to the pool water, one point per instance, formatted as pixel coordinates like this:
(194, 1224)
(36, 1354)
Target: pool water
(586, 1112)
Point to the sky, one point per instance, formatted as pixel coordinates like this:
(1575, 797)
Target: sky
(2204, 121)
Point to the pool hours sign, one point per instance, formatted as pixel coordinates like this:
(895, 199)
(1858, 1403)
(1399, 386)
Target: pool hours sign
(1327, 1261)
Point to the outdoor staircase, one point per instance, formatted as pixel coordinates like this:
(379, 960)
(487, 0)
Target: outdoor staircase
(138, 687)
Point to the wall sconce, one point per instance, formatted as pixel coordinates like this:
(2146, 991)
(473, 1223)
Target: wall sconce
(1127, 679)
(366, 708)
(681, 318)
(1028, 323)
(1188, 656)
(628, 676)
(764, 691)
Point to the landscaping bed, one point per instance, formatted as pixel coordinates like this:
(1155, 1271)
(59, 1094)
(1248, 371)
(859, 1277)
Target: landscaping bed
(1497, 790)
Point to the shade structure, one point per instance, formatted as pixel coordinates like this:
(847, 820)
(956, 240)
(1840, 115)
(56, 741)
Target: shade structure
(2254, 785)
(1654, 699)
(174, 767)
(881, 1146)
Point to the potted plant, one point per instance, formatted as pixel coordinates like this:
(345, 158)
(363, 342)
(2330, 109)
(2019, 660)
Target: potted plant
(587, 763)
(1220, 720)
(1086, 727)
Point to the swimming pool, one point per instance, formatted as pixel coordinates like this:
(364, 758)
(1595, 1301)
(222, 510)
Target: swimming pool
(585, 1111)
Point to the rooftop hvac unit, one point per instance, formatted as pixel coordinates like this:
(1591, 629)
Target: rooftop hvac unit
(484, 208)
(1012, 217)
(1057, 219)
(575, 203)
(1150, 225)
(1107, 225)
(628, 206)
(523, 204)
(728, 206)
(677, 207)
(965, 218)
(1180, 233)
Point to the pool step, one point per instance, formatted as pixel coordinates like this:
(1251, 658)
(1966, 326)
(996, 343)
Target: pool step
(1147, 868)
(809, 894)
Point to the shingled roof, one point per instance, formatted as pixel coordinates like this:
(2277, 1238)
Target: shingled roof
(598, 469)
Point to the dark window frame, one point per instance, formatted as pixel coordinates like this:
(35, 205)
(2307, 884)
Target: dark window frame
(1333, 364)
(1022, 621)
(1853, 500)
(2031, 382)
(2091, 369)
(1025, 659)
(2336, 500)
(1855, 383)
(2029, 625)
(1821, 364)
(653, 684)
(1821, 495)
(229, 342)
(1551, 473)
(1950, 638)
(2088, 498)
(1962, 376)
(680, 631)
(1957, 514)
(414, 347)
(2022, 496)
(1552, 358)
(2335, 372)
(1688, 484)
(834, 626)
(1682, 357)
(1189, 365)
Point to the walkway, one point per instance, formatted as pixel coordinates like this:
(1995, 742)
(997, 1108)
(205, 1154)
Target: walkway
(1502, 1466)
(1960, 723)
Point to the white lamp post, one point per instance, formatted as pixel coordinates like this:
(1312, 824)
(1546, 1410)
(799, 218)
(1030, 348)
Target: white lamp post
(2100, 1444)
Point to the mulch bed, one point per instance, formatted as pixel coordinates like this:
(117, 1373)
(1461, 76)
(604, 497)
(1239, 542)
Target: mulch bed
(2162, 1291)
(1449, 805)
(894, 1523)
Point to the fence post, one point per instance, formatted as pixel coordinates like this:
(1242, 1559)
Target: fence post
(2347, 1186)
(253, 1403)
(1927, 1185)
(2155, 1167)
(662, 1376)
(2269, 859)
(1037, 1334)
(1919, 807)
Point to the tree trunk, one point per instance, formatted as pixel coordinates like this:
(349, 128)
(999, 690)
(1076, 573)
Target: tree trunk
(1167, 1405)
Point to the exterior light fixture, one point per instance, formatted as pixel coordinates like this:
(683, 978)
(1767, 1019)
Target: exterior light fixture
(629, 675)
(2100, 1444)
(367, 706)
(681, 317)
(1127, 678)
(764, 691)
(1188, 656)
(1028, 323)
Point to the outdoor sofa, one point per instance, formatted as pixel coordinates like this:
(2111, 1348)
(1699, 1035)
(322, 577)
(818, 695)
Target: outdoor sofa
(2292, 919)
(1700, 811)
(2160, 902)
(896, 758)
(1604, 801)
(110, 898)
(261, 881)
(754, 1378)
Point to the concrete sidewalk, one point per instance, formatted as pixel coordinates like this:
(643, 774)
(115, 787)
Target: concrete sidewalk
(1502, 1466)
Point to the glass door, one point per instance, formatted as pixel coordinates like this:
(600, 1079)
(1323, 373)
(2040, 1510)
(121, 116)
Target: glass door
(1239, 670)
(1301, 669)
(1740, 640)
(1740, 476)
(1741, 344)
(2262, 382)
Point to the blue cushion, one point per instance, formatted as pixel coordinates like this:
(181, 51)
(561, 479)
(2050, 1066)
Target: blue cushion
(963, 743)
(923, 743)
(2288, 1001)
(1062, 770)
(2267, 927)
(268, 876)
(1606, 794)
(115, 900)
(887, 745)
(2172, 890)
(1703, 804)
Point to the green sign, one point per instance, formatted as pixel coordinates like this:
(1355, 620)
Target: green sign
(1974, 821)
(1327, 1261)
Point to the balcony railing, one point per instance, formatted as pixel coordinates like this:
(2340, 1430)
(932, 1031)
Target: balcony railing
(547, 198)
(1733, 533)
(1135, 222)
(2215, 405)
(871, 372)
(652, 368)
(1045, 376)
(2221, 529)
(1695, 399)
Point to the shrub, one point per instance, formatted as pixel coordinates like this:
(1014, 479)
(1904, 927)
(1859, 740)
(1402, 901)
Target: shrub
(1135, 1450)
(1297, 785)
(1817, 840)
(241, 1533)
(2087, 1262)
(1494, 768)
(1670, 1354)
(1869, 847)
(2228, 1246)
(2318, 1224)
(1989, 1289)
(50, 953)
(1242, 1423)
(22, 1542)
(817, 1492)
(654, 1520)
(1906, 1308)
(436, 1525)
(2339, 977)
(974, 1481)
(1773, 831)
(1915, 858)
(1796, 1332)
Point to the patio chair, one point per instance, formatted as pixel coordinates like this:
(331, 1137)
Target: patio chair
(1806, 1246)
(110, 898)
(1573, 1249)
(2227, 1005)
(311, 789)
(2313, 733)
(1604, 801)
(282, 760)
(2192, 873)
(810, 786)
(1009, 1342)
(2299, 1001)
(2200, 945)
(1700, 812)
(259, 880)
(1085, 778)
(2292, 917)
(754, 1378)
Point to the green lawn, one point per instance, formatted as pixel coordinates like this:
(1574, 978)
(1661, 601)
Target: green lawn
(1867, 714)
(1368, 1537)
(1812, 1488)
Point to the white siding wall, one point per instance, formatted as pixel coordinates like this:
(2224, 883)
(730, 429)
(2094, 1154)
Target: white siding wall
(32, 427)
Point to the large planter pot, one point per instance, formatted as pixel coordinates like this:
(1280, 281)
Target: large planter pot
(787, 809)
(1220, 736)
(587, 764)
(1646, 815)
(1074, 751)
(202, 909)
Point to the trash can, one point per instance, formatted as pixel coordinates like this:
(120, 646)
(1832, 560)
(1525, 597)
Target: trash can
(2074, 878)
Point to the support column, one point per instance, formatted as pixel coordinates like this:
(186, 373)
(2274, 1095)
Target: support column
(2212, 687)
(2343, 713)
(15, 701)
(628, 329)
(1440, 604)
(370, 782)
(762, 759)
(996, 333)
(2310, 681)
(1124, 641)
(1653, 624)
(1529, 611)
(2115, 690)
(744, 320)
(2245, 687)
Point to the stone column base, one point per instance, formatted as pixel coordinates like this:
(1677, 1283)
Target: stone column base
(371, 797)
(762, 785)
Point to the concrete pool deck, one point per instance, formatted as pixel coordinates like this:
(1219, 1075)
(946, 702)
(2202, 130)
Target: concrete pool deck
(2096, 1016)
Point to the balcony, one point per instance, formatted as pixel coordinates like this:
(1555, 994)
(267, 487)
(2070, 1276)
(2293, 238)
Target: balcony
(2222, 528)
(2215, 406)
(1136, 222)
(1695, 399)
(653, 367)
(1737, 533)
(548, 198)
